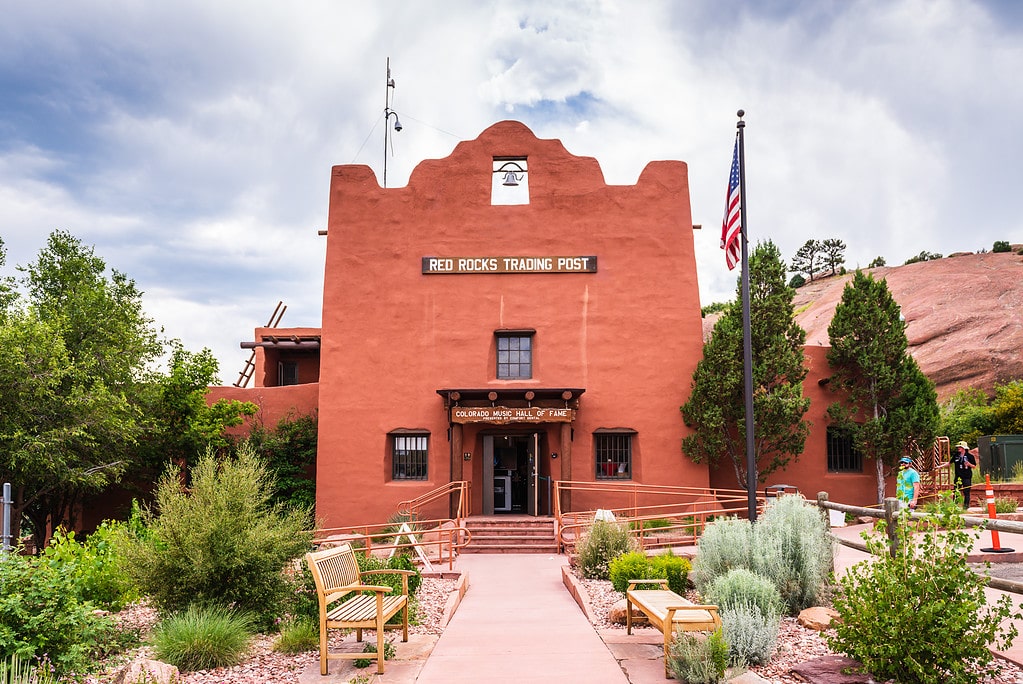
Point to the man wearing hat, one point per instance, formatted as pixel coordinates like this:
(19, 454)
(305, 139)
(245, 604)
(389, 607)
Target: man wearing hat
(964, 461)
(907, 484)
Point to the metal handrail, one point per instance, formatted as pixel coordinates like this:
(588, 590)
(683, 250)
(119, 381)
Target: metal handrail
(462, 488)
(449, 535)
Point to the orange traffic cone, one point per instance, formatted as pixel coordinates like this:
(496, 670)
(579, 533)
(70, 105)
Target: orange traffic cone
(992, 514)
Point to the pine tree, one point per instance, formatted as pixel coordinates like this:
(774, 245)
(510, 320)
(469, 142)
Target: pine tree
(834, 253)
(891, 407)
(807, 259)
(716, 407)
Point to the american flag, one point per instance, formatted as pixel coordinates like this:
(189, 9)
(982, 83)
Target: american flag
(731, 224)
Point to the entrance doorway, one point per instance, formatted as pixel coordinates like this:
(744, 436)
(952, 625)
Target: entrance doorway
(514, 478)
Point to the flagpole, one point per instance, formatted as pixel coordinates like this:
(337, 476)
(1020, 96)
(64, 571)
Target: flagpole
(747, 345)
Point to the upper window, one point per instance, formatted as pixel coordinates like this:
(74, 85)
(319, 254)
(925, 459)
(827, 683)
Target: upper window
(409, 456)
(613, 450)
(843, 457)
(515, 355)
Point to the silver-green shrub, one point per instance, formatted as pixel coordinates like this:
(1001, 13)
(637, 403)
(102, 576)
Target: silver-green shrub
(698, 659)
(798, 530)
(751, 634)
(789, 545)
(740, 586)
(726, 543)
(604, 542)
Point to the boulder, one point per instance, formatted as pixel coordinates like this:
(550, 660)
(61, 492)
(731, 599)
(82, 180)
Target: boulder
(817, 618)
(832, 670)
(148, 671)
(616, 613)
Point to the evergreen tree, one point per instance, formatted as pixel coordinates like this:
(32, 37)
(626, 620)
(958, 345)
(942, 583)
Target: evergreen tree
(834, 253)
(891, 406)
(716, 407)
(807, 259)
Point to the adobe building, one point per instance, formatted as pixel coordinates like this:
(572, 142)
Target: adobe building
(509, 319)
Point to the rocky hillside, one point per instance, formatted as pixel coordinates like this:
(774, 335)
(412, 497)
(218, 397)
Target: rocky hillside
(964, 316)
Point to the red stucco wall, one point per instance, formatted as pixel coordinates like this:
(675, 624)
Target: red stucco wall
(629, 334)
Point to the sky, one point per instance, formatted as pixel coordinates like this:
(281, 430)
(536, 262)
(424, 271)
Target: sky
(190, 143)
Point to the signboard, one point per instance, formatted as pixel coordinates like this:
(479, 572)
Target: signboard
(509, 264)
(504, 414)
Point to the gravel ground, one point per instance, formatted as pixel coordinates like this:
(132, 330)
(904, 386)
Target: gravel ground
(263, 665)
(796, 644)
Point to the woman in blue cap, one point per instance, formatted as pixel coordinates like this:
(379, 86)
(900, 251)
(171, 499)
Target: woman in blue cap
(907, 484)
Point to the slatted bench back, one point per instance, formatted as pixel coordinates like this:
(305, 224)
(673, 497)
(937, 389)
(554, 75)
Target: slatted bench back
(334, 568)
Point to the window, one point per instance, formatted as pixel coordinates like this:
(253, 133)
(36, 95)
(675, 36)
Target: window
(409, 456)
(509, 184)
(287, 373)
(613, 449)
(515, 355)
(843, 457)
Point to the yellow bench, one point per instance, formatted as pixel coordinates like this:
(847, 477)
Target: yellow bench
(668, 612)
(336, 574)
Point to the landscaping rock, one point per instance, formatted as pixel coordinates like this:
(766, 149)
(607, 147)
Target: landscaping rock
(817, 618)
(832, 670)
(616, 614)
(149, 671)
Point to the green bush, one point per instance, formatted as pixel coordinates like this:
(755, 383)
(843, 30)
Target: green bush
(604, 542)
(202, 638)
(298, 635)
(752, 635)
(221, 543)
(740, 586)
(1003, 505)
(633, 565)
(673, 568)
(372, 648)
(95, 564)
(42, 614)
(789, 545)
(698, 659)
(1001, 246)
(921, 615)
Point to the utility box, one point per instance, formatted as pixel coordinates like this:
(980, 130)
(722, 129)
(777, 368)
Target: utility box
(1000, 455)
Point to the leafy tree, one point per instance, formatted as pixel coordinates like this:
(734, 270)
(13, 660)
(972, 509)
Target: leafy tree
(1001, 246)
(966, 416)
(891, 405)
(1007, 408)
(716, 407)
(74, 354)
(180, 424)
(834, 253)
(807, 258)
(289, 450)
(877, 262)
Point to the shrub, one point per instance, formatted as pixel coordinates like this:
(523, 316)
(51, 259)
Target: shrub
(222, 543)
(372, 648)
(1001, 246)
(805, 547)
(41, 613)
(789, 545)
(930, 593)
(298, 635)
(752, 635)
(604, 542)
(740, 586)
(797, 281)
(95, 564)
(673, 568)
(1004, 505)
(698, 659)
(367, 564)
(628, 566)
(202, 638)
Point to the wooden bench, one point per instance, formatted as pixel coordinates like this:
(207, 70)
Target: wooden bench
(336, 574)
(668, 612)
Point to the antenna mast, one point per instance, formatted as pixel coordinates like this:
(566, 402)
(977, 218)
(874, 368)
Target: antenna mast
(388, 113)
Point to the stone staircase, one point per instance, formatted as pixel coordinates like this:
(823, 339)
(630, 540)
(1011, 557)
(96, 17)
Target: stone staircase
(510, 534)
